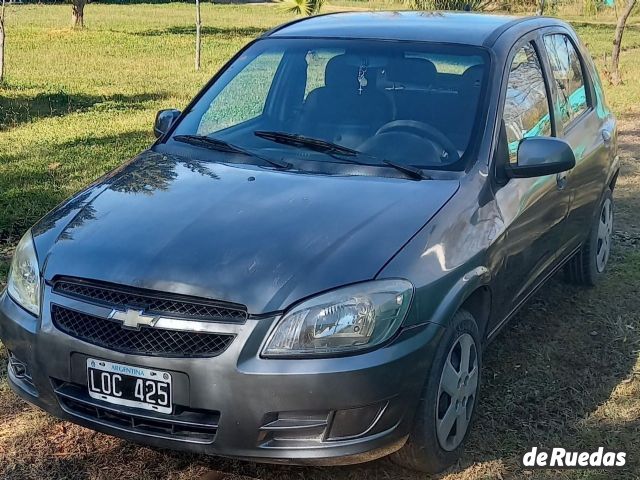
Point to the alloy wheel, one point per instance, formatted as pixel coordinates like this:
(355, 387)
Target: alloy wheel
(605, 230)
(457, 392)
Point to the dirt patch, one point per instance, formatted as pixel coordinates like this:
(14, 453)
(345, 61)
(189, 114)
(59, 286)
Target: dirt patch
(628, 185)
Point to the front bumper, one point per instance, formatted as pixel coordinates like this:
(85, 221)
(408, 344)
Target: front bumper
(320, 411)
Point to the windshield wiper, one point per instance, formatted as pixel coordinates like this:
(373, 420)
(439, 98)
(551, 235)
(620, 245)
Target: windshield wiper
(302, 141)
(335, 149)
(223, 146)
(409, 170)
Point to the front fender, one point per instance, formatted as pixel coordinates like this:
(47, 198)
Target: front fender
(468, 284)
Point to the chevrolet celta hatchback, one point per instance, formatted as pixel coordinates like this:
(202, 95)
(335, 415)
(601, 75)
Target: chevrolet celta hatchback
(307, 264)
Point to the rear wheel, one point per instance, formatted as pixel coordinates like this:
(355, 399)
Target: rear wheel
(590, 263)
(448, 400)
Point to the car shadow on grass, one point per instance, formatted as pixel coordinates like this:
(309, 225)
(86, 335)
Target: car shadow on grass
(217, 32)
(17, 109)
(603, 27)
(27, 192)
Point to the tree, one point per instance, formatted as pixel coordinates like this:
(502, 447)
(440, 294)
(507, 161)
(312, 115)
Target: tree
(198, 34)
(617, 42)
(464, 5)
(2, 35)
(77, 13)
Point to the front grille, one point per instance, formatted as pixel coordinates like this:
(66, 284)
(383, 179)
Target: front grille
(146, 341)
(151, 302)
(185, 424)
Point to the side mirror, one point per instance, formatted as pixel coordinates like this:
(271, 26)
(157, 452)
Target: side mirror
(164, 121)
(540, 156)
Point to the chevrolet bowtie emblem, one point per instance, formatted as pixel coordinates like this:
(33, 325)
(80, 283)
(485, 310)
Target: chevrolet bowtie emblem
(133, 319)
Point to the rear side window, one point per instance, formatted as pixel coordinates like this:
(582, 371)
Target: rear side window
(526, 108)
(567, 71)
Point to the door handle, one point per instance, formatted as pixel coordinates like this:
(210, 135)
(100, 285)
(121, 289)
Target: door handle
(561, 180)
(606, 136)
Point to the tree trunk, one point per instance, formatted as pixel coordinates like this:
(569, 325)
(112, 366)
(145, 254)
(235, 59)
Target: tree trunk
(541, 8)
(2, 36)
(77, 13)
(198, 34)
(617, 42)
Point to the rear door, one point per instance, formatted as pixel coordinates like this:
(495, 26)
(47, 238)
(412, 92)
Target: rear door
(584, 124)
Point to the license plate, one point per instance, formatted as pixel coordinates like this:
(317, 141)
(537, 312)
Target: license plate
(130, 386)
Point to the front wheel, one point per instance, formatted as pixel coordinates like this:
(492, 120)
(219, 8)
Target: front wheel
(448, 400)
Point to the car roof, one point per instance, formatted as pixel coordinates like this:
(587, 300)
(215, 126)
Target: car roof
(442, 27)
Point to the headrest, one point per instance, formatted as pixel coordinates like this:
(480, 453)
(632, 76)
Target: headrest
(472, 76)
(417, 71)
(339, 73)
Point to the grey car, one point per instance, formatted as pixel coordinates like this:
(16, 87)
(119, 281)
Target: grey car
(308, 263)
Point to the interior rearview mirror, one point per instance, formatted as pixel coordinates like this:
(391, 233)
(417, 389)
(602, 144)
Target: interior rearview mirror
(164, 121)
(539, 156)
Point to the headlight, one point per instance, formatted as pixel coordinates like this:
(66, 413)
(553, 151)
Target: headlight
(24, 276)
(345, 320)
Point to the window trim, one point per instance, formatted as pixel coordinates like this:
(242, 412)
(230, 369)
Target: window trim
(494, 159)
(588, 83)
(531, 41)
(547, 86)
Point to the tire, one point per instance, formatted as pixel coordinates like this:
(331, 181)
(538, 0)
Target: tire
(424, 450)
(588, 266)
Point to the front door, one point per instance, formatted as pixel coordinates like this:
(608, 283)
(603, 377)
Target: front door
(533, 209)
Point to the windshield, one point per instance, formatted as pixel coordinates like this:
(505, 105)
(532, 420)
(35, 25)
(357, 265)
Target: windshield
(329, 100)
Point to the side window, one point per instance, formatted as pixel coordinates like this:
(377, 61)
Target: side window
(244, 97)
(526, 108)
(567, 72)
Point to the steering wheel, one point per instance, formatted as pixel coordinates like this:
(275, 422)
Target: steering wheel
(422, 129)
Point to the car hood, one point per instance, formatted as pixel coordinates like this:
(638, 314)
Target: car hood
(235, 233)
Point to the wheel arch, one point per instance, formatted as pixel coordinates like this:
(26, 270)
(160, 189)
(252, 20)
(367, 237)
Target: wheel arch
(471, 293)
(614, 179)
(478, 304)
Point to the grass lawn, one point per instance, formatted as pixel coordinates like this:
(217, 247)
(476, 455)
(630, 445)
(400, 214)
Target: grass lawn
(78, 103)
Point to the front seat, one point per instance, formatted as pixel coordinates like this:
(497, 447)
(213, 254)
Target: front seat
(461, 115)
(410, 82)
(339, 112)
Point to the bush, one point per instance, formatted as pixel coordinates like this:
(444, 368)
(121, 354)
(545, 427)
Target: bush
(302, 7)
(470, 5)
